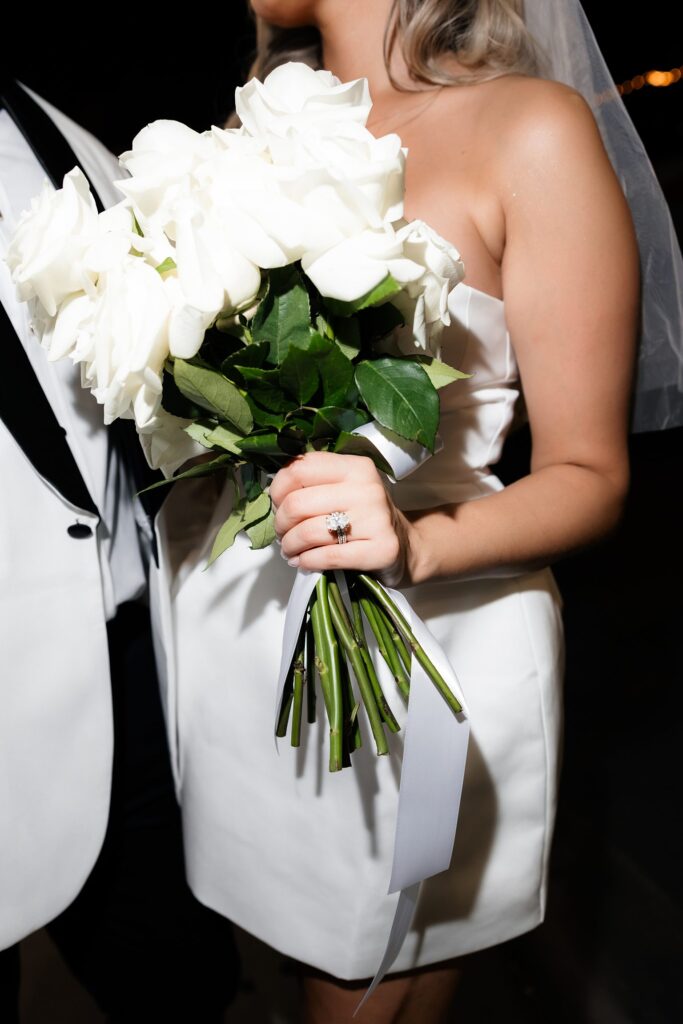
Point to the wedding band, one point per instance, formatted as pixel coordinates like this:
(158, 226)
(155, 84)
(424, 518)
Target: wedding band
(338, 523)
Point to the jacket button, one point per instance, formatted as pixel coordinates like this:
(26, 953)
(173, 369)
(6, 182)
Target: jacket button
(79, 530)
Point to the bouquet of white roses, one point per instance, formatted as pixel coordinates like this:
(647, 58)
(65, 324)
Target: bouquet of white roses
(257, 294)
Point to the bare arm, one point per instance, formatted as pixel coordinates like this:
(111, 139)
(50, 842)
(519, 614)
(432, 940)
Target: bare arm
(570, 283)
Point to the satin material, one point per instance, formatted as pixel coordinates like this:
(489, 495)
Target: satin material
(56, 592)
(302, 858)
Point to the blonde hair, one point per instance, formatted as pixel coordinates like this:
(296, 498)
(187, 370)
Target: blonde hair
(488, 37)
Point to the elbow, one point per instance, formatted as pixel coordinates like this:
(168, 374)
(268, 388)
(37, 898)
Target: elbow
(615, 491)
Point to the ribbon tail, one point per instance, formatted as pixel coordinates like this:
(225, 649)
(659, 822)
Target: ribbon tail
(403, 916)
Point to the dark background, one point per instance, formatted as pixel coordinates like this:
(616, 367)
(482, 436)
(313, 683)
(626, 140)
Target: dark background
(610, 949)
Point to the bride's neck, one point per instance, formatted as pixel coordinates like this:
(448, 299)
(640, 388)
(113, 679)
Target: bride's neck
(353, 42)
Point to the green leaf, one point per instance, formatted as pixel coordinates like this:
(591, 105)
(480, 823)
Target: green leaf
(380, 293)
(347, 335)
(251, 481)
(324, 327)
(175, 402)
(262, 533)
(298, 375)
(302, 420)
(400, 396)
(332, 420)
(223, 436)
(245, 513)
(263, 386)
(168, 264)
(202, 469)
(199, 431)
(355, 444)
(336, 371)
(260, 444)
(216, 347)
(246, 355)
(211, 390)
(440, 373)
(292, 440)
(264, 418)
(284, 316)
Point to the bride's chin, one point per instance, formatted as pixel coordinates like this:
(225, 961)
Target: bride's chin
(286, 13)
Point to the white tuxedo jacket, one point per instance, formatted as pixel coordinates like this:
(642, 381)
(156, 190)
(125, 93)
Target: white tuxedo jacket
(56, 732)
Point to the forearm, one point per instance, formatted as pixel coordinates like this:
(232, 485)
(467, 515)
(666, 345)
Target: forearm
(531, 523)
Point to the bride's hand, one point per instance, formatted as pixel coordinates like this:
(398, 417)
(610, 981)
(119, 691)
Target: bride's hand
(305, 492)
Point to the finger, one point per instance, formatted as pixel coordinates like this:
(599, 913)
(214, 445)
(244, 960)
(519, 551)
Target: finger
(316, 468)
(314, 533)
(363, 555)
(307, 502)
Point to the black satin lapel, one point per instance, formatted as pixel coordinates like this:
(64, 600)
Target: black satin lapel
(24, 407)
(29, 417)
(43, 136)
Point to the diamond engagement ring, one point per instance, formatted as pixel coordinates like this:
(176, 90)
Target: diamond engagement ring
(338, 522)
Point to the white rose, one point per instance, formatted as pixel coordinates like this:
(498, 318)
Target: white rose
(212, 275)
(124, 345)
(424, 301)
(161, 162)
(357, 265)
(70, 329)
(313, 122)
(294, 96)
(344, 175)
(46, 252)
(250, 195)
(166, 445)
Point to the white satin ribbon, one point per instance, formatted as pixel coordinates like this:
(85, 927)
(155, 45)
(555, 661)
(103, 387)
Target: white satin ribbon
(435, 745)
(403, 456)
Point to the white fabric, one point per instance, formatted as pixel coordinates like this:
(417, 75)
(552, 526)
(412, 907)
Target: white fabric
(573, 56)
(302, 858)
(123, 573)
(56, 737)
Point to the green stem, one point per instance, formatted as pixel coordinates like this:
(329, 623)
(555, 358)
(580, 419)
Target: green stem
(386, 648)
(396, 642)
(382, 703)
(319, 650)
(351, 734)
(310, 673)
(326, 644)
(283, 717)
(298, 690)
(383, 599)
(344, 631)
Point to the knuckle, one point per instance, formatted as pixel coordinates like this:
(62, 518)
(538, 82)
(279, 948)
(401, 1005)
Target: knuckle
(336, 557)
(393, 549)
(309, 533)
(377, 494)
(291, 506)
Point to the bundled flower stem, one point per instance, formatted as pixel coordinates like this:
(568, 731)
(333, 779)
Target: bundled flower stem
(339, 641)
(258, 294)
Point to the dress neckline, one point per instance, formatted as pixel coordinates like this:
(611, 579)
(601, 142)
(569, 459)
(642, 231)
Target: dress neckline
(478, 291)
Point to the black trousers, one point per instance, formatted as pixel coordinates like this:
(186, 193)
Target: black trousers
(135, 937)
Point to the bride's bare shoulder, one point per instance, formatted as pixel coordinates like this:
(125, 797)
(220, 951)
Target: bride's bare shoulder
(526, 118)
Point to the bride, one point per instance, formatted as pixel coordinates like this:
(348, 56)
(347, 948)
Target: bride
(512, 170)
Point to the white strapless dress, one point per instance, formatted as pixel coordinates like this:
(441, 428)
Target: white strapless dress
(301, 858)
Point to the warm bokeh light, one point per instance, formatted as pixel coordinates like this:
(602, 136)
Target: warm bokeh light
(658, 79)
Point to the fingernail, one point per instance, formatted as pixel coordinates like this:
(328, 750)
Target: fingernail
(293, 562)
